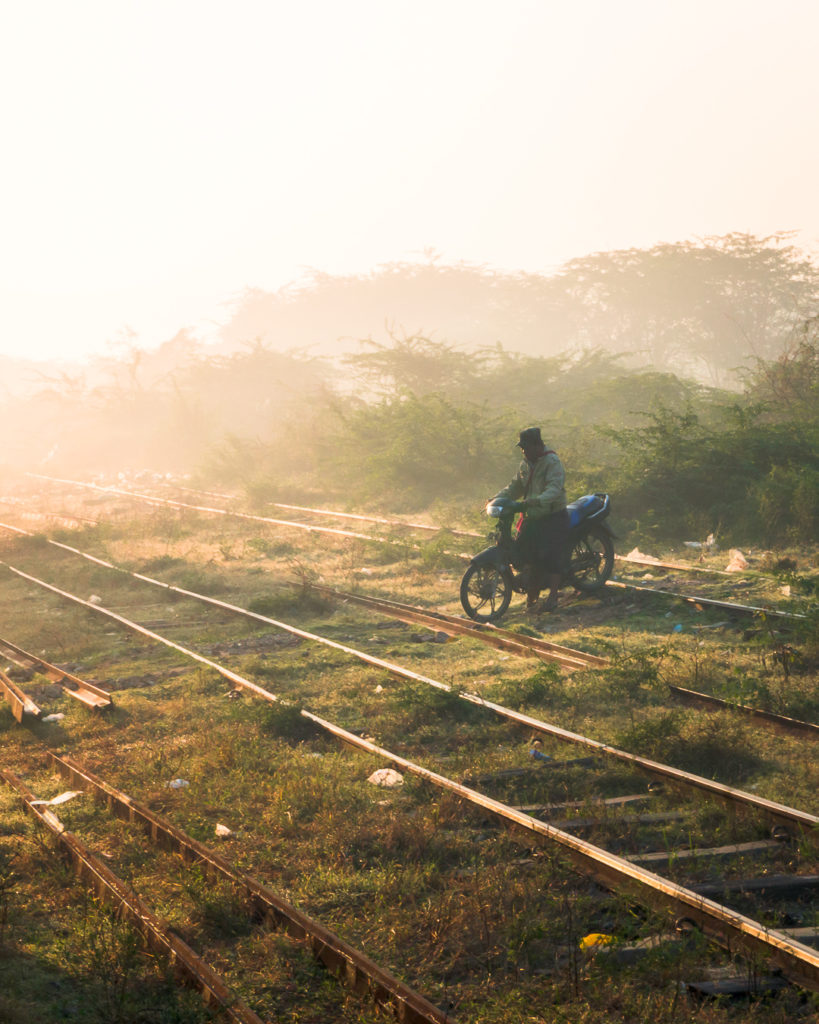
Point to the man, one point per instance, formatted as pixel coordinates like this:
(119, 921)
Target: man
(543, 531)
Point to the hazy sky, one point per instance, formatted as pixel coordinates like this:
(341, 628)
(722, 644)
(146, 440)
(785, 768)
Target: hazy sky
(158, 157)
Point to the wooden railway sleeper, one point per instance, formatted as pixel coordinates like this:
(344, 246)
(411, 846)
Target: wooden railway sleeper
(807, 823)
(157, 933)
(352, 966)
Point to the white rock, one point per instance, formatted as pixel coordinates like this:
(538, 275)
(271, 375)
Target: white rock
(387, 777)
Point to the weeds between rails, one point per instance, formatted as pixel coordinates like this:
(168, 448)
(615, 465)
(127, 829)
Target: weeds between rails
(801, 965)
(805, 968)
(786, 816)
(633, 700)
(713, 917)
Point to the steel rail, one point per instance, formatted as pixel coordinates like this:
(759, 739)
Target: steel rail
(504, 639)
(156, 932)
(800, 963)
(726, 605)
(377, 519)
(87, 693)
(730, 606)
(331, 513)
(20, 702)
(335, 514)
(732, 930)
(207, 508)
(806, 823)
(646, 560)
(791, 725)
(351, 966)
(726, 926)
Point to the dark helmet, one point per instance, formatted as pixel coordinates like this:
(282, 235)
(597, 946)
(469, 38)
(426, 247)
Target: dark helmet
(530, 438)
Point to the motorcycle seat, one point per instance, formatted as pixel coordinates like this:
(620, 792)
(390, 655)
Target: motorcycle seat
(583, 508)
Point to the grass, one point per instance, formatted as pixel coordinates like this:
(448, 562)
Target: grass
(476, 918)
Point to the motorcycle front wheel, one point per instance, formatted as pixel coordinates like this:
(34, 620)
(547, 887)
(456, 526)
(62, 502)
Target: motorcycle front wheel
(486, 592)
(591, 561)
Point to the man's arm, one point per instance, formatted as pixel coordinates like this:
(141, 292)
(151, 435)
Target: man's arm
(512, 491)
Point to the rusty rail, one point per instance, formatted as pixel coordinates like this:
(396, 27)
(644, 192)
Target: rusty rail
(157, 933)
(730, 929)
(504, 639)
(351, 966)
(791, 725)
(83, 691)
(780, 813)
(21, 703)
(210, 509)
(728, 606)
(800, 963)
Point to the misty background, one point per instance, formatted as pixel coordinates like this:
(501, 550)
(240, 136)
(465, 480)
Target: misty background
(343, 253)
(683, 379)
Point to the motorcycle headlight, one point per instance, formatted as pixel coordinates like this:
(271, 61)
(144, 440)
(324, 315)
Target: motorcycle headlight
(494, 511)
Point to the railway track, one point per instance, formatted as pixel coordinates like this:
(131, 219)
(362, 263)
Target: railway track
(503, 639)
(349, 965)
(708, 602)
(795, 821)
(516, 643)
(22, 706)
(732, 606)
(731, 929)
(86, 693)
(781, 722)
(159, 937)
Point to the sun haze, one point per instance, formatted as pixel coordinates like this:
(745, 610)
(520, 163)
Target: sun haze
(161, 157)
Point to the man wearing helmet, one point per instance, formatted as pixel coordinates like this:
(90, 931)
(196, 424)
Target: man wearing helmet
(543, 529)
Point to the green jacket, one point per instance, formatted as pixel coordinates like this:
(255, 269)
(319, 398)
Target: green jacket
(542, 484)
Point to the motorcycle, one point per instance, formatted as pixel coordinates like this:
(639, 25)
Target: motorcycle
(495, 574)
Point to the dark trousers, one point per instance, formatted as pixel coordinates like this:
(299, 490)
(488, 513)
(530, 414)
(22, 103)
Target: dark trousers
(543, 544)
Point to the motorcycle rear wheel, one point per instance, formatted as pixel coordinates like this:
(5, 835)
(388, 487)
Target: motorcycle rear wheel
(591, 561)
(486, 592)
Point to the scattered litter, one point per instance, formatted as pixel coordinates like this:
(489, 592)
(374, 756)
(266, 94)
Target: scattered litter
(178, 784)
(364, 572)
(538, 755)
(636, 555)
(61, 799)
(504, 657)
(233, 694)
(56, 717)
(223, 831)
(313, 753)
(677, 628)
(692, 544)
(95, 599)
(387, 777)
(738, 561)
(595, 939)
(786, 590)
(379, 688)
